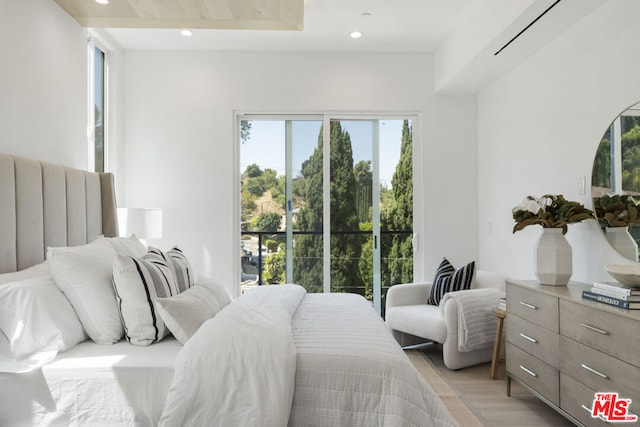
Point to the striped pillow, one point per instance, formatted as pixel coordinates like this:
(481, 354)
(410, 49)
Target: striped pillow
(179, 265)
(137, 284)
(447, 279)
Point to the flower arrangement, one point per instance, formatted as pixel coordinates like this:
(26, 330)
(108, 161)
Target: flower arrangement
(616, 210)
(549, 211)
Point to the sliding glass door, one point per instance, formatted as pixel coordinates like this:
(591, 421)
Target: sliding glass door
(327, 203)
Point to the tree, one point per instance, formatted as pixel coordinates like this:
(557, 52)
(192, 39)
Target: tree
(267, 221)
(397, 249)
(345, 247)
(245, 130)
(364, 183)
(253, 171)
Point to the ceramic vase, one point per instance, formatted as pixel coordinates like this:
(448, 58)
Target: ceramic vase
(553, 258)
(623, 242)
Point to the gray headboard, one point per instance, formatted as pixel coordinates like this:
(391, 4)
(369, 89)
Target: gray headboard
(43, 204)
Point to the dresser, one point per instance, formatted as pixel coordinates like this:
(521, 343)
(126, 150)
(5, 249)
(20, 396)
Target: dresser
(565, 349)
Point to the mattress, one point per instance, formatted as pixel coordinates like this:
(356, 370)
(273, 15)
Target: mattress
(93, 384)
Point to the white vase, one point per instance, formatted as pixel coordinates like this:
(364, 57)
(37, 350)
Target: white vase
(553, 258)
(623, 242)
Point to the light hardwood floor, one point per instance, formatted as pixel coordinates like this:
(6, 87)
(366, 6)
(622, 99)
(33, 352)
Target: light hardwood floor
(487, 398)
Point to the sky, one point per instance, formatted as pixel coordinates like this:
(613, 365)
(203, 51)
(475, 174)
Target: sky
(266, 144)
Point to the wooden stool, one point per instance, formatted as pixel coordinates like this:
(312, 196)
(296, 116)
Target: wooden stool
(500, 314)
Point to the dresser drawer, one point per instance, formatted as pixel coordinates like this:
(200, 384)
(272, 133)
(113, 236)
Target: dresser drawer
(538, 375)
(539, 342)
(576, 399)
(615, 335)
(536, 307)
(599, 371)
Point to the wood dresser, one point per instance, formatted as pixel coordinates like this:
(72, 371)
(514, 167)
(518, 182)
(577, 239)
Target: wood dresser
(565, 349)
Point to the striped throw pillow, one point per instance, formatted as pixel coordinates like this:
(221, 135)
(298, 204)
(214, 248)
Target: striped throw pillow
(448, 279)
(179, 265)
(137, 284)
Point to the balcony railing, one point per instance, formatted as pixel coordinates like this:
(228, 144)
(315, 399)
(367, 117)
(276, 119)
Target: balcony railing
(253, 263)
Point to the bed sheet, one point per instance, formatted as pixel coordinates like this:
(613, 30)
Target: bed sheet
(351, 372)
(93, 384)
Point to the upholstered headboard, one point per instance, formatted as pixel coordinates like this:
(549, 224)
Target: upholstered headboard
(43, 204)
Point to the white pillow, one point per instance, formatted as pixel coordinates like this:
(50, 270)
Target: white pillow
(130, 246)
(84, 273)
(186, 312)
(38, 322)
(220, 292)
(137, 283)
(37, 270)
(179, 264)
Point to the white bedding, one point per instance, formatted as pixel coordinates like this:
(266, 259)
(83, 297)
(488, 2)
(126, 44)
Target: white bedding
(351, 371)
(92, 385)
(239, 368)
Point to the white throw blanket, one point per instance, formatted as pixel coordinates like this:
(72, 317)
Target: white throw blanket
(476, 324)
(239, 368)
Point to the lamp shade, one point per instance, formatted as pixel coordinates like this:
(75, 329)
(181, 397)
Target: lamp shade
(145, 223)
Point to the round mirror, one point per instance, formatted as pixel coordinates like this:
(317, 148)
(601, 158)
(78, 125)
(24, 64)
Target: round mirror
(615, 183)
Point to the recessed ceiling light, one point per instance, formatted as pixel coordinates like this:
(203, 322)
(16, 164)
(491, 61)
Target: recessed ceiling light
(102, 1)
(355, 34)
(186, 33)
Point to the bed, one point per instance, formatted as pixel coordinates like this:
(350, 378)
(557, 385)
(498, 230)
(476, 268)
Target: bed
(70, 289)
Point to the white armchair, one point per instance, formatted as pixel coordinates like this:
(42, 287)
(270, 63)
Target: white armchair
(413, 321)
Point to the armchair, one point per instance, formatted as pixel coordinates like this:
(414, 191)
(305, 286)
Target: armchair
(460, 313)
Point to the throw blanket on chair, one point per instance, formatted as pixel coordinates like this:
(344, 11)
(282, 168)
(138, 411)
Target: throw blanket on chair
(476, 324)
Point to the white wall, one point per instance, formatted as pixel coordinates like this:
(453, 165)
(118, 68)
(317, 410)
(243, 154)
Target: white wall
(538, 130)
(43, 89)
(180, 151)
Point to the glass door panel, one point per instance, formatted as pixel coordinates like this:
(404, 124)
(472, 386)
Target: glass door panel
(351, 214)
(342, 225)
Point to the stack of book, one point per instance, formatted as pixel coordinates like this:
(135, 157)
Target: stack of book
(502, 304)
(615, 294)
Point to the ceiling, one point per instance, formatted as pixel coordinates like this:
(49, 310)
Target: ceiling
(462, 35)
(237, 25)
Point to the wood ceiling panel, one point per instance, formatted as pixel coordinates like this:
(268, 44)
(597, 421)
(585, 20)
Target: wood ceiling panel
(213, 14)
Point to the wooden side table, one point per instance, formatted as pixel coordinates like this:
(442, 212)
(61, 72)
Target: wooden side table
(500, 315)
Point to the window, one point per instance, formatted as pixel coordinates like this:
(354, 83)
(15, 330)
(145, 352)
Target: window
(327, 203)
(97, 107)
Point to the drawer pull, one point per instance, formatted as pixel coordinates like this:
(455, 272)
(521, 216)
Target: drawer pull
(532, 307)
(594, 371)
(593, 328)
(528, 338)
(533, 374)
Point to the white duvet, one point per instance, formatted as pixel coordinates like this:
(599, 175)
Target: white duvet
(239, 368)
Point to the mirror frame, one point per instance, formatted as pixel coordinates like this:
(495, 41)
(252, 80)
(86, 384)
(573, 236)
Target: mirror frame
(616, 170)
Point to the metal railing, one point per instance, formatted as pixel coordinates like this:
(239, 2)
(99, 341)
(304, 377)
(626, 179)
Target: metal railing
(255, 262)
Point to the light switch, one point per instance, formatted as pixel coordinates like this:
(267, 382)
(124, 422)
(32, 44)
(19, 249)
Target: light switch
(582, 185)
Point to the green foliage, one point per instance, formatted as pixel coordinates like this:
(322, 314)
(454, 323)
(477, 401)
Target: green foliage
(274, 271)
(617, 210)
(397, 215)
(267, 221)
(351, 206)
(247, 206)
(549, 211)
(364, 182)
(245, 130)
(253, 171)
(601, 173)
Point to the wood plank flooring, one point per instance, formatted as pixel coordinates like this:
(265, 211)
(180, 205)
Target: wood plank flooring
(487, 398)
